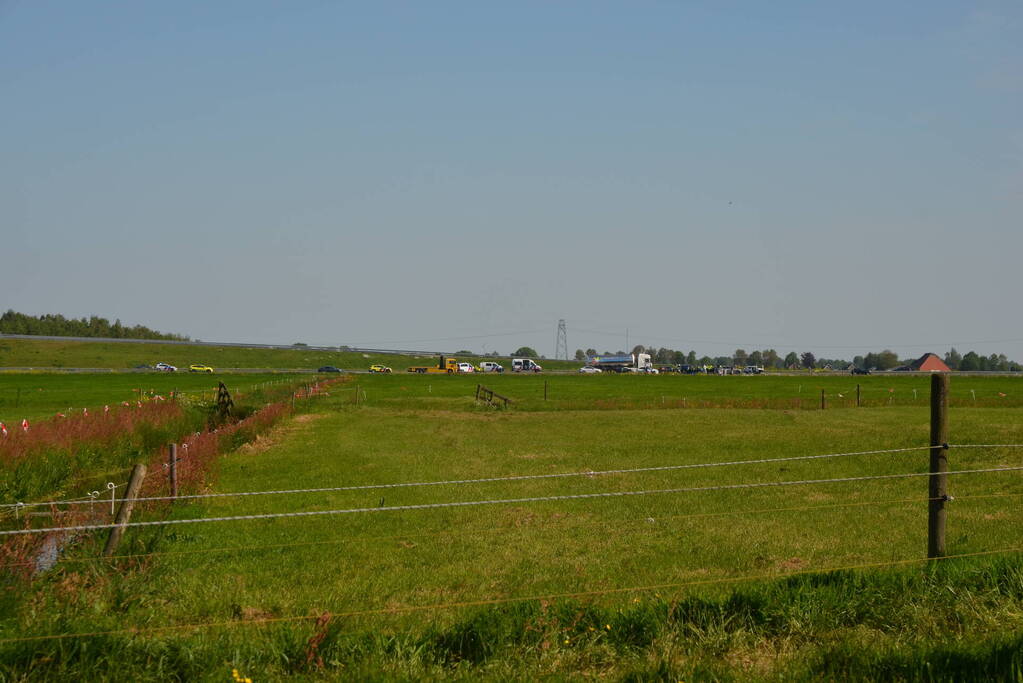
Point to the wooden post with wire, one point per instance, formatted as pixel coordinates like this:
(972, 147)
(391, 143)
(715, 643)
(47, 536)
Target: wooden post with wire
(138, 473)
(937, 483)
(172, 469)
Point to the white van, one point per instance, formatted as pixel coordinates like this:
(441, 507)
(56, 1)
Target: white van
(525, 365)
(491, 366)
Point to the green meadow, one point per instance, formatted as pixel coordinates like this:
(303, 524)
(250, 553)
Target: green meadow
(684, 578)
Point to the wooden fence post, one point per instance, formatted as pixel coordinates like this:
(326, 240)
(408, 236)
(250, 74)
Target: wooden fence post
(824, 401)
(937, 483)
(138, 473)
(857, 395)
(172, 469)
(545, 390)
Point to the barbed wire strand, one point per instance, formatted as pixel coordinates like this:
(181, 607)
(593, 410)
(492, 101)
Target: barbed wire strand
(629, 522)
(522, 477)
(406, 609)
(499, 501)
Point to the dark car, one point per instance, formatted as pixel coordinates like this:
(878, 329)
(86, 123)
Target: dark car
(329, 368)
(860, 371)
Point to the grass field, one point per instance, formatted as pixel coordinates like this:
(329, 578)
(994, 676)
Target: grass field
(37, 395)
(732, 583)
(44, 353)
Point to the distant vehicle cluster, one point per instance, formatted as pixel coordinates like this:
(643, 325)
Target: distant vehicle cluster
(167, 367)
(641, 363)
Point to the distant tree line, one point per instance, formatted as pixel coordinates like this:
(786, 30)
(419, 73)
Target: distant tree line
(771, 359)
(56, 325)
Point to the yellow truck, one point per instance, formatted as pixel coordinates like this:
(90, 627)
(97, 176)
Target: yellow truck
(445, 365)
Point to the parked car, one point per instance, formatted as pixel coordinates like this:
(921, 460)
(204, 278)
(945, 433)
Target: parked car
(466, 368)
(860, 371)
(491, 366)
(379, 368)
(164, 367)
(201, 368)
(329, 368)
(588, 370)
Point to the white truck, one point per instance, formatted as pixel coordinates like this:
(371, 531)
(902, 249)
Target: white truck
(525, 365)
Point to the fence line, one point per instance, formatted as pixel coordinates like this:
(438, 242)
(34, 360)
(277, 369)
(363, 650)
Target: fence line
(523, 477)
(407, 609)
(500, 501)
(601, 522)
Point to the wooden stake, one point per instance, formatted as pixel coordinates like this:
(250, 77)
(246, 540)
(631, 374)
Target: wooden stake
(857, 395)
(824, 401)
(937, 483)
(172, 469)
(138, 473)
(545, 390)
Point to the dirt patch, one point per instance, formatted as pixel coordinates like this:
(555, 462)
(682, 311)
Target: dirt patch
(253, 614)
(792, 564)
(307, 417)
(265, 442)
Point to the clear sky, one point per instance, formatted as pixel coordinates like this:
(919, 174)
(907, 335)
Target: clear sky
(834, 177)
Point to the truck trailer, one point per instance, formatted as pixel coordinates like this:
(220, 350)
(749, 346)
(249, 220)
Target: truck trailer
(639, 362)
(444, 365)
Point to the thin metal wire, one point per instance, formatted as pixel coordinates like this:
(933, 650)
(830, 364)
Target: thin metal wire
(406, 609)
(501, 501)
(985, 445)
(497, 530)
(523, 477)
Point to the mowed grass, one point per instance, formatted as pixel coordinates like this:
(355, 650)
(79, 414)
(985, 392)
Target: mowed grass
(35, 396)
(671, 391)
(392, 577)
(45, 353)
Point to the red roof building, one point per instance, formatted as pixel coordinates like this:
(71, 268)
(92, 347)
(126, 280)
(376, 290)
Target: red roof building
(929, 362)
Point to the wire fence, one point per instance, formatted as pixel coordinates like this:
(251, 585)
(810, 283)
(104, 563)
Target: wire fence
(436, 607)
(498, 501)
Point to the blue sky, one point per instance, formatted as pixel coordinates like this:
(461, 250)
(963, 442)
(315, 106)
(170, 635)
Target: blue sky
(438, 176)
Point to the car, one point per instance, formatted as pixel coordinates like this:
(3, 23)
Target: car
(201, 368)
(466, 368)
(860, 371)
(165, 367)
(589, 370)
(491, 366)
(379, 368)
(329, 368)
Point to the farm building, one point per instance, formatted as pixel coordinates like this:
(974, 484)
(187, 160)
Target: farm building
(929, 362)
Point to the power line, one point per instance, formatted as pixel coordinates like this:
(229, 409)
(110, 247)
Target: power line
(500, 501)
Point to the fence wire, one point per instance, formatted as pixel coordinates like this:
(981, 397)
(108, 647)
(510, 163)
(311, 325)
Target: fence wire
(500, 501)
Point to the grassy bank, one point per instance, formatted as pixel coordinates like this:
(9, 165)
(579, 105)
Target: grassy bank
(727, 583)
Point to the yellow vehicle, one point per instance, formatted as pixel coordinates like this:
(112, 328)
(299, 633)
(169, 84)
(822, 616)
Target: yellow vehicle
(200, 368)
(379, 368)
(444, 365)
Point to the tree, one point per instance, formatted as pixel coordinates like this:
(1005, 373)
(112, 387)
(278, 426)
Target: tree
(791, 359)
(526, 352)
(858, 361)
(580, 355)
(970, 362)
(740, 356)
(808, 360)
(953, 359)
(464, 352)
(756, 358)
(691, 358)
(886, 360)
(591, 352)
(638, 348)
